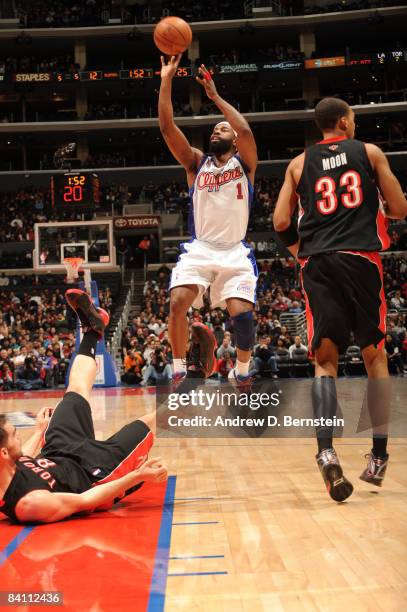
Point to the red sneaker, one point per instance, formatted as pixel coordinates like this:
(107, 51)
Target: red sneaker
(202, 353)
(89, 316)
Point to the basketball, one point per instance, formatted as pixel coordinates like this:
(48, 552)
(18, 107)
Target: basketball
(172, 35)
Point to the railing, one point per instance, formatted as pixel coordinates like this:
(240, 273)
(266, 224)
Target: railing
(296, 324)
(394, 313)
(122, 322)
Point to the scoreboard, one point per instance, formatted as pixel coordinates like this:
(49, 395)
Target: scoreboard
(75, 190)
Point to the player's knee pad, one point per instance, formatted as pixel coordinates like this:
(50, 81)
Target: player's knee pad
(243, 327)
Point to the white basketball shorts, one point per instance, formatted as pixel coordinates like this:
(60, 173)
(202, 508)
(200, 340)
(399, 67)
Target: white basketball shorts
(230, 273)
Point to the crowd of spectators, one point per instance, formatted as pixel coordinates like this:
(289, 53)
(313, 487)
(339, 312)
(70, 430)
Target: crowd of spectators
(36, 339)
(36, 335)
(356, 5)
(27, 63)
(273, 53)
(37, 328)
(20, 210)
(62, 13)
(44, 13)
(131, 110)
(147, 352)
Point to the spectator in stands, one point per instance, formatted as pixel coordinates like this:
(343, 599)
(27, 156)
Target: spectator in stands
(281, 303)
(29, 377)
(298, 345)
(281, 350)
(393, 355)
(295, 308)
(133, 362)
(226, 347)
(159, 370)
(264, 357)
(224, 365)
(6, 377)
(397, 302)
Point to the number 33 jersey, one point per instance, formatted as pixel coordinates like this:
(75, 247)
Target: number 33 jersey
(340, 207)
(220, 202)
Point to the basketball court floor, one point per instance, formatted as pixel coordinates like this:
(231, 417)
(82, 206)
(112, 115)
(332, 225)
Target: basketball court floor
(241, 525)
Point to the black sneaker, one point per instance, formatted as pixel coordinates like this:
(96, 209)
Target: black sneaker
(375, 470)
(89, 316)
(338, 487)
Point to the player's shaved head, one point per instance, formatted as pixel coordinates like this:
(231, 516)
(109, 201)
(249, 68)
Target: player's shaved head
(222, 139)
(329, 111)
(227, 124)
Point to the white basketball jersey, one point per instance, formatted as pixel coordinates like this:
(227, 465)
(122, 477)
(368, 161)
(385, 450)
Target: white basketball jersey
(220, 201)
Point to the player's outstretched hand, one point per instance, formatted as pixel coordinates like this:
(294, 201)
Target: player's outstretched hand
(207, 82)
(169, 69)
(43, 417)
(153, 470)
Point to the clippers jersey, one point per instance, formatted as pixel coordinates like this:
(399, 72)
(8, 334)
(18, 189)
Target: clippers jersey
(220, 201)
(59, 475)
(339, 201)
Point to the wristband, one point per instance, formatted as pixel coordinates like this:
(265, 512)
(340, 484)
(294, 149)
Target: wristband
(289, 237)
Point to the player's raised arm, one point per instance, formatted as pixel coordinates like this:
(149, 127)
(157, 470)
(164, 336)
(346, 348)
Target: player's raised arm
(188, 156)
(285, 207)
(33, 444)
(389, 186)
(245, 142)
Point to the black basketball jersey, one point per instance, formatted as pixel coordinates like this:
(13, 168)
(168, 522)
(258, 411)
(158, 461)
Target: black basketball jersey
(59, 475)
(340, 208)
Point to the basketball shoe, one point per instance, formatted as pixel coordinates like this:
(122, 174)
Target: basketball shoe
(202, 353)
(375, 470)
(89, 315)
(338, 487)
(200, 362)
(242, 383)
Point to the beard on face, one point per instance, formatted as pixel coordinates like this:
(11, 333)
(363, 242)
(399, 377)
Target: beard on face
(221, 146)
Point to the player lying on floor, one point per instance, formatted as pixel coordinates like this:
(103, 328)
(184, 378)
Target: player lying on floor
(73, 472)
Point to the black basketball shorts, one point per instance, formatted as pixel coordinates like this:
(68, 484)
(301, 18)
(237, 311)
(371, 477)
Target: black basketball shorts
(344, 293)
(70, 433)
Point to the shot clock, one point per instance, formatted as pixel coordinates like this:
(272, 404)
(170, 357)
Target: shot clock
(75, 190)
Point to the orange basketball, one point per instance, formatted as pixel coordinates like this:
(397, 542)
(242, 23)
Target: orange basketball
(172, 35)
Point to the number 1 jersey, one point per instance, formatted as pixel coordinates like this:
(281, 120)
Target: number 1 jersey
(340, 207)
(220, 202)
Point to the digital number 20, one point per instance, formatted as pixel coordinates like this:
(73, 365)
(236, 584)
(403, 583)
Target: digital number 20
(73, 194)
(327, 187)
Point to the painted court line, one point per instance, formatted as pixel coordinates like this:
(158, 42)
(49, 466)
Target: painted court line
(159, 578)
(192, 498)
(198, 557)
(198, 574)
(14, 544)
(198, 523)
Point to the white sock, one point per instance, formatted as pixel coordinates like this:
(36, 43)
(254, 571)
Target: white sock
(179, 365)
(242, 369)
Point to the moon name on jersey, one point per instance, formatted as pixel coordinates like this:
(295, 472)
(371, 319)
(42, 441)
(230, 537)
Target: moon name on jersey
(334, 162)
(213, 182)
